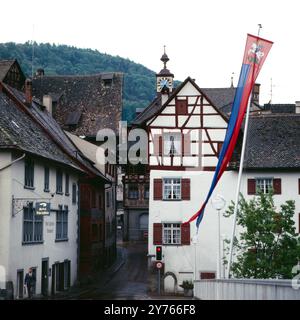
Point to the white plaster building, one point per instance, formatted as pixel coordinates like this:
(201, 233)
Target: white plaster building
(38, 163)
(186, 128)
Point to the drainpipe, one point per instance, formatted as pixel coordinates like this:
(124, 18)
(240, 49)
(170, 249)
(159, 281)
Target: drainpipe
(78, 232)
(10, 164)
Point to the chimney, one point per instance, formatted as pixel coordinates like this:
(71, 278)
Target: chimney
(255, 93)
(28, 91)
(40, 72)
(297, 107)
(47, 102)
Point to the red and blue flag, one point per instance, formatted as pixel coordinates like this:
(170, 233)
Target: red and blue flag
(256, 52)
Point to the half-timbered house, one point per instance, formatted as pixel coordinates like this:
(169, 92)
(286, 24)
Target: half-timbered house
(186, 128)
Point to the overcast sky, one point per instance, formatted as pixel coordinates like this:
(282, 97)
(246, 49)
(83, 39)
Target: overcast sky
(204, 39)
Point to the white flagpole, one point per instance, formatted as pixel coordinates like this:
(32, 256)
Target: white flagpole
(237, 196)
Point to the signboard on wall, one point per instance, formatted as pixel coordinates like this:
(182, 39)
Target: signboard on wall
(42, 208)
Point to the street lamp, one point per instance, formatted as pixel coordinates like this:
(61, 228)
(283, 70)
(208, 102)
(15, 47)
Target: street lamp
(194, 242)
(218, 203)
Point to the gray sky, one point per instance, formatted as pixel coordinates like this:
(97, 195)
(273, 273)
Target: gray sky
(204, 39)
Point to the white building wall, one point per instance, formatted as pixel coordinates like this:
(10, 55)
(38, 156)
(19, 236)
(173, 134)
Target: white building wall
(181, 259)
(22, 256)
(5, 204)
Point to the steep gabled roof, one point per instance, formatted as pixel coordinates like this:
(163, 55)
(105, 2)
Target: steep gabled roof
(155, 106)
(273, 142)
(148, 112)
(222, 98)
(280, 108)
(5, 66)
(40, 135)
(19, 131)
(98, 102)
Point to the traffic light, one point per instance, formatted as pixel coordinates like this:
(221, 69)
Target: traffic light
(158, 253)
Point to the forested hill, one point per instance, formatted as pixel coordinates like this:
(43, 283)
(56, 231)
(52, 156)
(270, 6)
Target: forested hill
(139, 82)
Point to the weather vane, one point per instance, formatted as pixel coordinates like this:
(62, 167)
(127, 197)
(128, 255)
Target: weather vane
(259, 27)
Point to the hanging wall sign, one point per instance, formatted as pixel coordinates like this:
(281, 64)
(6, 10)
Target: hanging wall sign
(42, 208)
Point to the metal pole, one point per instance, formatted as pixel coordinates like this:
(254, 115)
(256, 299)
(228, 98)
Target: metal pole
(159, 282)
(238, 187)
(195, 265)
(219, 254)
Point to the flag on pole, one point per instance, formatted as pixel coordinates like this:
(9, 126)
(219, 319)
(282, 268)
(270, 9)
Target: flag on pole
(256, 52)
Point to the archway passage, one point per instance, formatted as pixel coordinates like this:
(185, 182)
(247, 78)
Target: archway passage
(143, 225)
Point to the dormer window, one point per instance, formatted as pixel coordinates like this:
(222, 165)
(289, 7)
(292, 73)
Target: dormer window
(107, 80)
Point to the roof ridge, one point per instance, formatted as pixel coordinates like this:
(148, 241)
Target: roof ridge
(79, 75)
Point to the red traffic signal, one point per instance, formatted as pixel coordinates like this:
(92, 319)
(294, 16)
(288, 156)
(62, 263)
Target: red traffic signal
(158, 253)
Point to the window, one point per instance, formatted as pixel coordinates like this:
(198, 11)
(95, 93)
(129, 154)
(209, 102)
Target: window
(107, 83)
(133, 191)
(264, 185)
(107, 199)
(172, 189)
(46, 179)
(181, 106)
(171, 233)
(29, 173)
(93, 202)
(32, 226)
(146, 191)
(172, 144)
(67, 189)
(74, 193)
(62, 223)
(59, 181)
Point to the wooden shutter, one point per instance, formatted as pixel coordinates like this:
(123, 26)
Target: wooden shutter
(157, 140)
(185, 189)
(157, 189)
(181, 107)
(207, 275)
(277, 186)
(185, 234)
(186, 144)
(157, 233)
(251, 186)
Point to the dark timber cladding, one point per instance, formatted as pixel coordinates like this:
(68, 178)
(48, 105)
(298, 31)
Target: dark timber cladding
(83, 104)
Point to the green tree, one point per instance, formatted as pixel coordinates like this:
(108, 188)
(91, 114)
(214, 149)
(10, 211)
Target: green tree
(268, 246)
(139, 81)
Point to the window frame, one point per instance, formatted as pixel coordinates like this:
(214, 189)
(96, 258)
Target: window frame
(59, 182)
(166, 139)
(74, 193)
(46, 179)
(146, 191)
(266, 187)
(133, 195)
(171, 228)
(36, 220)
(62, 219)
(67, 185)
(172, 184)
(29, 173)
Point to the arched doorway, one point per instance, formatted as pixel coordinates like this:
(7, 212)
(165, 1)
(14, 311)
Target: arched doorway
(170, 282)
